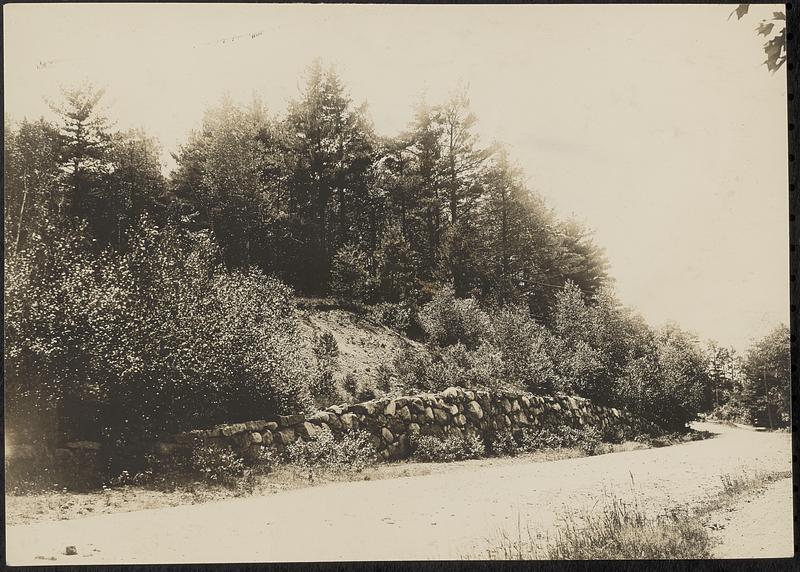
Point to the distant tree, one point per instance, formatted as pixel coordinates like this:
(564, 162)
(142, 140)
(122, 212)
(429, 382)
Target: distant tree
(33, 181)
(350, 277)
(331, 158)
(227, 172)
(766, 390)
(85, 142)
(135, 182)
(396, 268)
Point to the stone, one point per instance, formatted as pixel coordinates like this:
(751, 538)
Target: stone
(307, 430)
(506, 405)
(440, 416)
(515, 406)
(522, 418)
(63, 456)
(70, 551)
(257, 425)
(233, 429)
(404, 413)
(334, 422)
(286, 436)
(336, 409)
(403, 446)
(460, 419)
(432, 430)
(266, 437)
(367, 408)
(387, 435)
(506, 421)
(413, 429)
(456, 432)
(526, 402)
(256, 438)
(393, 452)
(349, 421)
(396, 425)
(215, 432)
(429, 415)
(271, 426)
(319, 417)
(290, 420)
(452, 410)
(469, 395)
(474, 410)
(416, 404)
(390, 409)
(450, 393)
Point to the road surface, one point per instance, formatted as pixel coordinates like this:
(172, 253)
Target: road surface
(447, 515)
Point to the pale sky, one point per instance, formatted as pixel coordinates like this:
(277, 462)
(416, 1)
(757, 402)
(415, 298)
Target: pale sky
(656, 125)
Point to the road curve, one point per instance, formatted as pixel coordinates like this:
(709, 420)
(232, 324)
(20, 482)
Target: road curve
(447, 515)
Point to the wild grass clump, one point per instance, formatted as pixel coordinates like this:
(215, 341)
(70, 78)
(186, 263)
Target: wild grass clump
(588, 440)
(622, 531)
(736, 485)
(323, 452)
(444, 450)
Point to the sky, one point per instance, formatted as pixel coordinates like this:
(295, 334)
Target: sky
(655, 125)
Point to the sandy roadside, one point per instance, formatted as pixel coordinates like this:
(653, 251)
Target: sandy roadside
(446, 515)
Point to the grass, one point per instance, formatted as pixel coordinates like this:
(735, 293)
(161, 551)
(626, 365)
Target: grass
(622, 530)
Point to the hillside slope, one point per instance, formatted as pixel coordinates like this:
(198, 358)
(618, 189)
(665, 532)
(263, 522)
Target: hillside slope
(363, 343)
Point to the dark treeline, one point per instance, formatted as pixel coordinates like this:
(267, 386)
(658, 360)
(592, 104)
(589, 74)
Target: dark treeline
(291, 194)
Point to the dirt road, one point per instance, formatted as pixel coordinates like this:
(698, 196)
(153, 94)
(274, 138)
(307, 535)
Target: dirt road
(756, 527)
(447, 515)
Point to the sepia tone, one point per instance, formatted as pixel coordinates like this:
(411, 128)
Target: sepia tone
(368, 282)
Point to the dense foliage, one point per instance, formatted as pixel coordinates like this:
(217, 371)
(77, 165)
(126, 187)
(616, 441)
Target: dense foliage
(753, 388)
(138, 304)
(153, 339)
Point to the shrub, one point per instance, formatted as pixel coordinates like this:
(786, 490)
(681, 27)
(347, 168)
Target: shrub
(216, 464)
(353, 452)
(124, 346)
(455, 365)
(444, 450)
(396, 269)
(350, 385)
(503, 443)
(367, 389)
(523, 346)
(350, 278)
(323, 383)
(447, 320)
(386, 381)
(588, 440)
(400, 317)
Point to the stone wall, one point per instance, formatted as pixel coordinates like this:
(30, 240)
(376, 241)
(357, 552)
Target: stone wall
(392, 422)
